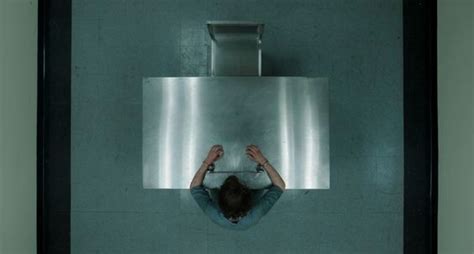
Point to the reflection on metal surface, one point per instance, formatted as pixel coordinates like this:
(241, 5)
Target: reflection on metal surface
(287, 117)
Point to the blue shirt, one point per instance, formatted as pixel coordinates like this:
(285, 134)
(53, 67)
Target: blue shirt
(212, 210)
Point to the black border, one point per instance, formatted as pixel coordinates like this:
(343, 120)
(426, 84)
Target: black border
(53, 126)
(420, 126)
(40, 131)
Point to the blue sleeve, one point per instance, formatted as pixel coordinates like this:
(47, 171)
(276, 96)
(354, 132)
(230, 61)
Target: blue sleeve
(267, 201)
(202, 198)
(205, 202)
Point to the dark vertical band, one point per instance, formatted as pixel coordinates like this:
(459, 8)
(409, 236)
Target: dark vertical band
(420, 126)
(54, 126)
(40, 131)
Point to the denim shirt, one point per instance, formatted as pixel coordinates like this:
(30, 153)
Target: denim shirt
(212, 210)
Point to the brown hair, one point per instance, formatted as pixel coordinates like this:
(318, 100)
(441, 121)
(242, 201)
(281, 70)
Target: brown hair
(234, 198)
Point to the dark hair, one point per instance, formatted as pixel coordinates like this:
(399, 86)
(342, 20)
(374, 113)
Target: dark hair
(234, 198)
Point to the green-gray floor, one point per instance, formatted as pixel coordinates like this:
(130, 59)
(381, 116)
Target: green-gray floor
(356, 44)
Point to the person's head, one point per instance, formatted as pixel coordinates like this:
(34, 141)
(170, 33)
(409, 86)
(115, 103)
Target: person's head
(234, 198)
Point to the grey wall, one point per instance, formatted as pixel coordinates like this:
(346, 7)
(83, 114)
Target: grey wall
(356, 44)
(456, 126)
(18, 33)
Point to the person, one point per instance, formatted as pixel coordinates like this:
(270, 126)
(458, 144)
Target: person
(236, 207)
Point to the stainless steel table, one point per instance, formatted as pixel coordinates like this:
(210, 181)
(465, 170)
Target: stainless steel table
(287, 117)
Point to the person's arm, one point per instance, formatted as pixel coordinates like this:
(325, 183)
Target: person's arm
(216, 152)
(256, 155)
(198, 192)
(274, 176)
(266, 202)
(199, 176)
(276, 190)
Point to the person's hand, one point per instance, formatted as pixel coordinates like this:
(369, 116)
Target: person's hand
(216, 152)
(255, 154)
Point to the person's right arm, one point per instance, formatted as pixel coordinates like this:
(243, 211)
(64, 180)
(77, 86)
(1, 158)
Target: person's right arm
(256, 155)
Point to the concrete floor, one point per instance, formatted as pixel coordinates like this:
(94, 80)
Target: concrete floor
(357, 45)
